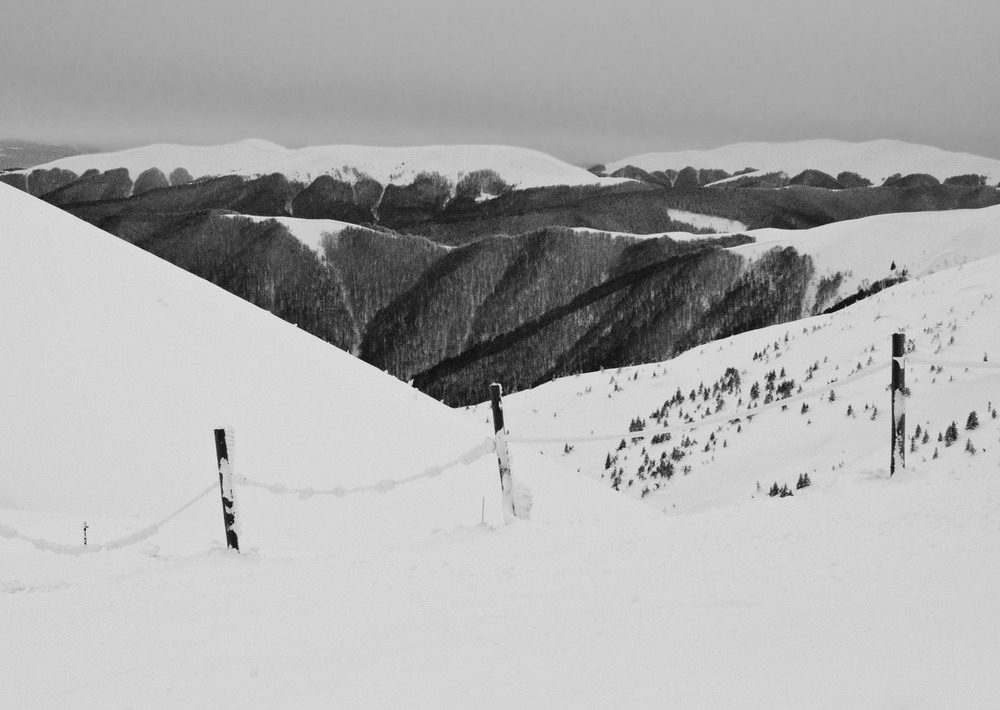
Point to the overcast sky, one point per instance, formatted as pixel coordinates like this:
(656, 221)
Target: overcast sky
(588, 81)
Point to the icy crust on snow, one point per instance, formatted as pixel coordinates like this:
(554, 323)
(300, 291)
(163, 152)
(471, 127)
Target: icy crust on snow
(875, 160)
(128, 364)
(519, 167)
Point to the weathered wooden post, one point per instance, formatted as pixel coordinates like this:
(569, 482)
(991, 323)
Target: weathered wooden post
(503, 453)
(223, 455)
(898, 403)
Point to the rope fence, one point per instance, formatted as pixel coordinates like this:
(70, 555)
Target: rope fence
(498, 444)
(468, 457)
(117, 544)
(487, 446)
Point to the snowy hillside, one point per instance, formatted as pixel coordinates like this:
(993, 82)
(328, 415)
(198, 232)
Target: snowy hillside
(875, 160)
(311, 232)
(127, 364)
(863, 251)
(823, 366)
(519, 167)
(858, 591)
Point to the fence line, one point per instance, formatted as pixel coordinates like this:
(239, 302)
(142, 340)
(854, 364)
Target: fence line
(116, 544)
(707, 421)
(485, 447)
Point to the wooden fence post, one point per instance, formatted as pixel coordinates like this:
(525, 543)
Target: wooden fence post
(898, 403)
(223, 454)
(503, 453)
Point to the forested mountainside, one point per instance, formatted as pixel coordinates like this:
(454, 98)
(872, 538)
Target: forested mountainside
(522, 309)
(457, 283)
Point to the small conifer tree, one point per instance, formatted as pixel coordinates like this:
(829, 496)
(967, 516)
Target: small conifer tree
(972, 422)
(951, 434)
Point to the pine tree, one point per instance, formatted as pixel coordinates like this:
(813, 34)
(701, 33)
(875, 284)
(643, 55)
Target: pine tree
(972, 422)
(607, 462)
(951, 434)
(969, 447)
(774, 490)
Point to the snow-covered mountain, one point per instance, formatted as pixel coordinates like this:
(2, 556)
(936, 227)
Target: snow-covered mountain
(875, 160)
(518, 167)
(858, 591)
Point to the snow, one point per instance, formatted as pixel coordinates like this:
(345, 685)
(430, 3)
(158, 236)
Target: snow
(693, 219)
(865, 249)
(311, 232)
(875, 160)
(519, 167)
(860, 591)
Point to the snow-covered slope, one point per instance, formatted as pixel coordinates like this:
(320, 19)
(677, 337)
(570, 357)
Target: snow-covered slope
(311, 232)
(858, 591)
(875, 160)
(949, 319)
(863, 251)
(118, 366)
(519, 167)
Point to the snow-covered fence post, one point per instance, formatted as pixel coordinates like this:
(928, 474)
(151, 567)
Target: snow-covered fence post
(898, 403)
(223, 454)
(503, 453)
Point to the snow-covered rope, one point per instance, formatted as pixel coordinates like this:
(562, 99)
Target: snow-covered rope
(971, 364)
(487, 446)
(707, 421)
(116, 544)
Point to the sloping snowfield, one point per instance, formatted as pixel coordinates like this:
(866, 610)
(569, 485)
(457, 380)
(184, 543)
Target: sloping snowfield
(859, 591)
(875, 160)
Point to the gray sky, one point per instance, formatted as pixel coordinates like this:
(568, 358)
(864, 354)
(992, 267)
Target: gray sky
(587, 81)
